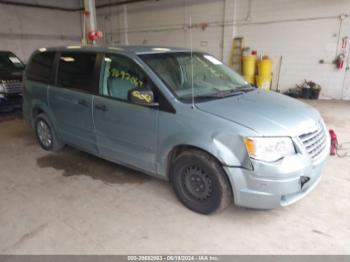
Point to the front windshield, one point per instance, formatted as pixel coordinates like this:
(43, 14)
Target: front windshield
(8, 61)
(211, 78)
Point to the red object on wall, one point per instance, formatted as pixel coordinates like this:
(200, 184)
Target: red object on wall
(94, 35)
(344, 42)
(334, 142)
(340, 61)
(84, 12)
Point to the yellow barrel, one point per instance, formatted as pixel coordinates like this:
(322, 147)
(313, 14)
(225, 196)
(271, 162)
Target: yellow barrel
(263, 81)
(265, 67)
(249, 62)
(250, 79)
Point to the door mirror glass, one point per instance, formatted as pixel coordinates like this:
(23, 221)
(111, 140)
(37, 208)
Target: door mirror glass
(142, 97)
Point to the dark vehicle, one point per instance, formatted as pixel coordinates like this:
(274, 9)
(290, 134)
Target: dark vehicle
(11, 86)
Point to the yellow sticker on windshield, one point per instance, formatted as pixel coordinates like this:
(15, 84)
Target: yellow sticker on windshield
(126, 76)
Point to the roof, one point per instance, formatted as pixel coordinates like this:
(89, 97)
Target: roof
(129, 49)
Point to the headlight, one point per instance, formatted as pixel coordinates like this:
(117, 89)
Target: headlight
(269, 148)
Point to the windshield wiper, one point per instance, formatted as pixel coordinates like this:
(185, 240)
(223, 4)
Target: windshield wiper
(234, 92)
(221, 94)
(245, 88)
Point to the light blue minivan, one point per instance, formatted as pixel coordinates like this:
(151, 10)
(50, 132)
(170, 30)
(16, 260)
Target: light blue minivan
(180, 115)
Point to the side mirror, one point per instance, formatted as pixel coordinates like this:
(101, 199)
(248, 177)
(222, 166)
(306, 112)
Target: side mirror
(142, 97)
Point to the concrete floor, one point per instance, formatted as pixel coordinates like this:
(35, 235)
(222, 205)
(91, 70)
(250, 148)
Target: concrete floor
(74, 203)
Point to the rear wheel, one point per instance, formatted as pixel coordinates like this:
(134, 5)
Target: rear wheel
(200, 182)
(45, 134)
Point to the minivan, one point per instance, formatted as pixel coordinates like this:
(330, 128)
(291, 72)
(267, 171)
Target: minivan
(180, 115)
(11, 87)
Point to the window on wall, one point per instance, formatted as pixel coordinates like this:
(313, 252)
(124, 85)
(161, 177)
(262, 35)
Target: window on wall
(40, 68)
(76, 71)
(121, 75)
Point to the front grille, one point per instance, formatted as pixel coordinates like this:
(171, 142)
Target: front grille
(12, 86)
(314, 141)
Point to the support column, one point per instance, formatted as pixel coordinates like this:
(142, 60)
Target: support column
(229, 12)
(90, 20)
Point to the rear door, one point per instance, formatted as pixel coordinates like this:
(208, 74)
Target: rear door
(71, 98)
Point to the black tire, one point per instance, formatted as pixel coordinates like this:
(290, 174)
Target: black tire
(200, 182)
(55, 144)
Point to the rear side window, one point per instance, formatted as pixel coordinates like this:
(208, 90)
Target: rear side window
(40, 67)
(76, 71)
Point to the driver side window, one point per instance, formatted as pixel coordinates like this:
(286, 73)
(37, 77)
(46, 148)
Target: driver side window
(120, 76)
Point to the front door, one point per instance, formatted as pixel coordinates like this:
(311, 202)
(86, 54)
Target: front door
(126, 133)
(71, 99)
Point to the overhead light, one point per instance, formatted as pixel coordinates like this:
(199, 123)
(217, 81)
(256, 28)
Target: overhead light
(213, 60)
(115, 48)
(43, 49)
(67, 59)
(73, 47)
(161, 49)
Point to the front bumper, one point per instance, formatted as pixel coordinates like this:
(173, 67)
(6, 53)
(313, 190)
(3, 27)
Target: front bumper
(10, 102)
(272, 185)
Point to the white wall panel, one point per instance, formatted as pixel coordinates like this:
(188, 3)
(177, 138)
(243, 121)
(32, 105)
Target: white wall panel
(166, 23)
(23, 29)
(303, 32)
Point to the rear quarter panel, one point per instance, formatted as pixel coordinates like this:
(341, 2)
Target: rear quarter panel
(35, 98)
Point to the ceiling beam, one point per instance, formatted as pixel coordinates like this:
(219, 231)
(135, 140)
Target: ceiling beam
(58, 8)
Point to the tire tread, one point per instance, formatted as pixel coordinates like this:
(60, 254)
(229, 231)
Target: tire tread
(227, 196)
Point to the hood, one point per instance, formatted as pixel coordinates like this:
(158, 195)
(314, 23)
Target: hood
(266, 112)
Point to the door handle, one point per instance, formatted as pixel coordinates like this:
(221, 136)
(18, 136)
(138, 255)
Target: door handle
(82, 102)
(101, 107)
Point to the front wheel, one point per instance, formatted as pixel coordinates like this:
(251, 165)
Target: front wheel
(200, 182)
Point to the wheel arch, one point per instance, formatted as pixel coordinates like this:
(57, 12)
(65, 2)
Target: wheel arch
(39, 107)
(37, 110)
(178, 149)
